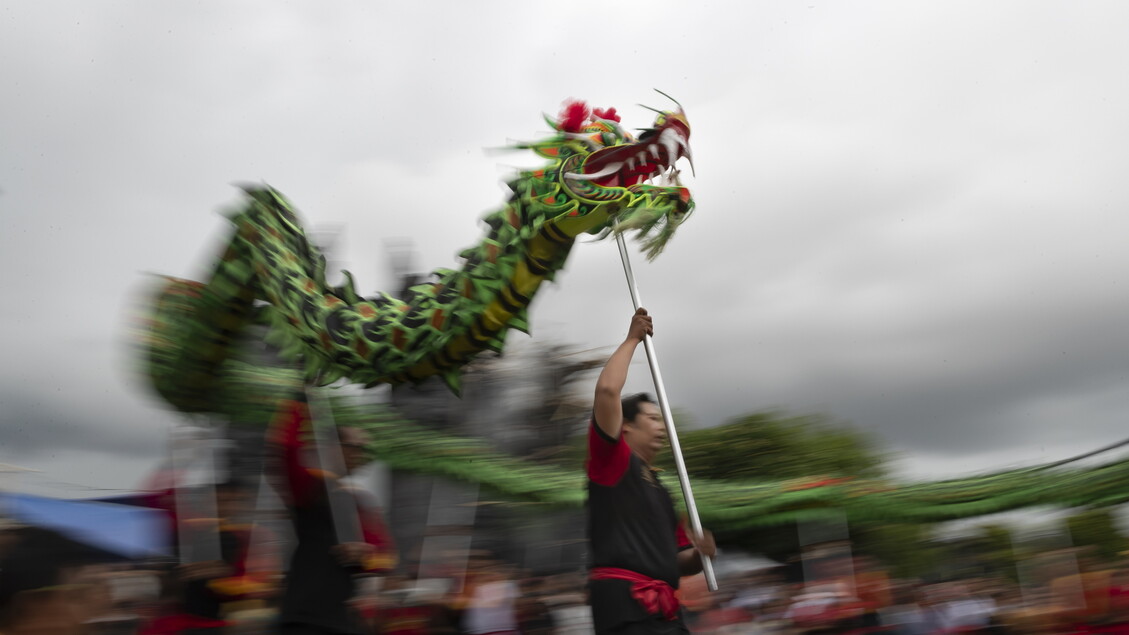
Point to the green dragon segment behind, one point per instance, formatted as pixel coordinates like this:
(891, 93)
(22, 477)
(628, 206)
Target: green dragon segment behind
(596, 183)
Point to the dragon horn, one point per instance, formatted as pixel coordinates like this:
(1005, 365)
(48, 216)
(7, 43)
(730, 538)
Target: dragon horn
(670, 98)
(651, 109)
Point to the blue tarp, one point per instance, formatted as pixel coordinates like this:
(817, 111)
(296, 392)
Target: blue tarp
(124, 530)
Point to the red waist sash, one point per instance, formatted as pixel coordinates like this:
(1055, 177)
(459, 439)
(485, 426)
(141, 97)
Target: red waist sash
(655, 596)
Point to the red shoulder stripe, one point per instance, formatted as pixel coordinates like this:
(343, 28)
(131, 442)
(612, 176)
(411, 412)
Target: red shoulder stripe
(608, 458)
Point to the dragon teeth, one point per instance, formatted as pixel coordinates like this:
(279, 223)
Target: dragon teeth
(669, 140)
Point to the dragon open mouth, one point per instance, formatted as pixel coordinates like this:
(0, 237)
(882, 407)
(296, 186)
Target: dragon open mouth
(654, 155)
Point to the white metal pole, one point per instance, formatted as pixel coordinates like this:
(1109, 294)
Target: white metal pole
(664, 406)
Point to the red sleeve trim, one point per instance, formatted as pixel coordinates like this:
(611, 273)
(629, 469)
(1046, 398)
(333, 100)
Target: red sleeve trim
(288, 436)
(608, 458)
(682, 537)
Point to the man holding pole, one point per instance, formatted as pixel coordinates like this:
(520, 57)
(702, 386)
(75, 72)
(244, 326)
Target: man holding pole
(637, 548)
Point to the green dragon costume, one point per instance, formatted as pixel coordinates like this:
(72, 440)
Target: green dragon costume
(596, 183)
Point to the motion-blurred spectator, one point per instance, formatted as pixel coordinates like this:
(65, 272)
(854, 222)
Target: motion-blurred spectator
(47, 584)
(200, 595)
(492, 603)
(321, 579)
(534, 616)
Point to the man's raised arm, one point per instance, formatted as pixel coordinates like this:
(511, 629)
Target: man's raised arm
(608, 410)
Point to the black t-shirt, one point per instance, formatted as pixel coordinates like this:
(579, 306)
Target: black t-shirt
(631, 525)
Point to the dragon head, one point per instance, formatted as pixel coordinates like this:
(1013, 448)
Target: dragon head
(618, 159)
(601, 165)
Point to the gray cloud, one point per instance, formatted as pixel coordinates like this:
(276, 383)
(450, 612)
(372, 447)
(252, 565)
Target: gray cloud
(34, 426)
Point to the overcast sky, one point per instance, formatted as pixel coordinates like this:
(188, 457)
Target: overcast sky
(911, 216)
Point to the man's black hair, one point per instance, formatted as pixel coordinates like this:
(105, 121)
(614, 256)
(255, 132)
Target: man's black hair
(631, 405)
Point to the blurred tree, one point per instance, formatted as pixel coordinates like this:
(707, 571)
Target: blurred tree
(766, 445)
(770, 445)
(985, 552)
(997, 552)
(1097, 528)
(773, 446)
(683, 420)
(907, 550)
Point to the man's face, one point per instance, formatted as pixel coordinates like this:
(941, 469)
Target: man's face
(647, 431)
(353, 444)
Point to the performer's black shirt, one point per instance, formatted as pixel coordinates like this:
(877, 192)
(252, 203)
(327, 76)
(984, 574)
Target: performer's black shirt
(631, 525)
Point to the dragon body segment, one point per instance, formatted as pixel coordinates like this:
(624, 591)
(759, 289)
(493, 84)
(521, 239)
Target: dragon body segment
(596, 182)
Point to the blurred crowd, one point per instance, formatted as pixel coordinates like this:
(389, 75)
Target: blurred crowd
(51, 584)
(1091, 598)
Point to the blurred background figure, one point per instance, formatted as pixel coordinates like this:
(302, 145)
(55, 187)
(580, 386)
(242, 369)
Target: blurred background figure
(492, 600)
(340, 533)
(200, 596)
(49, 583)
(534, 616)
